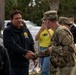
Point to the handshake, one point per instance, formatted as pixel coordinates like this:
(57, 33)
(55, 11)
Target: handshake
(40, 54)
(30, 55)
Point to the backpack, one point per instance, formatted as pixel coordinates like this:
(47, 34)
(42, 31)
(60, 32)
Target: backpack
(1, 57)
(4, 61)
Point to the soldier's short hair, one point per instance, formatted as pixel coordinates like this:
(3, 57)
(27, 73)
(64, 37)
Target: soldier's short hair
(51, 15)
(65, 21)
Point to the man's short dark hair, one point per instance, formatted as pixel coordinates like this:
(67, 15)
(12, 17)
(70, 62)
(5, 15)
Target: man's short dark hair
(12, 13)
(70, 16)
(53, 19)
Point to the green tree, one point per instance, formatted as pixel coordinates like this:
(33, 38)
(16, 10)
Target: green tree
(67, 7)
(15, 4)
(33, 9)
(29, 11)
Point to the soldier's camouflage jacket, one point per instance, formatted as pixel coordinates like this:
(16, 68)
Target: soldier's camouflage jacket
(62, 47)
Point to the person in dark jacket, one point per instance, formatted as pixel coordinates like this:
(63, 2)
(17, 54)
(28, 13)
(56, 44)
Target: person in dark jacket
(73, 27)
(4, 58)
(19, 43)
(73, 30)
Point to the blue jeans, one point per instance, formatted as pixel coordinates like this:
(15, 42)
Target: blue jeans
(19, 71)
(45, 64)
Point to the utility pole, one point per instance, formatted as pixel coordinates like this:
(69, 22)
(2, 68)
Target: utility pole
(2, 13)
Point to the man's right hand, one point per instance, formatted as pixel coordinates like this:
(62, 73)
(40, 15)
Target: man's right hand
(29, 55)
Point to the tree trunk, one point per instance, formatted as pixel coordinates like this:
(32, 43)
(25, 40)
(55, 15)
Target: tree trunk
(54, 5)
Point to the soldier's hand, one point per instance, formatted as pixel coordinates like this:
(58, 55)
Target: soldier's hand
(50, 49)
(29, 55)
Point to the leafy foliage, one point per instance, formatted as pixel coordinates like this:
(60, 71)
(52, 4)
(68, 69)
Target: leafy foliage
(33, 13)
(33, 10)
(67, 8)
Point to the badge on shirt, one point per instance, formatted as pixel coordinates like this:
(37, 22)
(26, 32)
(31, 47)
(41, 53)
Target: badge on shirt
(25, 34)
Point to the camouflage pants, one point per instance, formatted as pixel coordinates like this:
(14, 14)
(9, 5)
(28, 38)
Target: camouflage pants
(53, 70)
(63, 71)
(73, 71)
(66, 71)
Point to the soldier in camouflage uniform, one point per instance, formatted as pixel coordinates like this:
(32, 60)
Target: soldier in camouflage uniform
(64, 21)
(61, 49)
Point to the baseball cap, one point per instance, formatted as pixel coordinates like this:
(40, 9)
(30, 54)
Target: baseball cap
(65, 21)
(50, 15)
